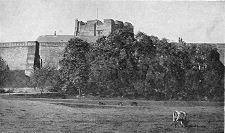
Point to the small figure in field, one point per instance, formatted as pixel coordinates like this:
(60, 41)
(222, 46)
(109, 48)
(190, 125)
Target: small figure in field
(101, 103)
(180, 117)
(120, 103)
(133, 103)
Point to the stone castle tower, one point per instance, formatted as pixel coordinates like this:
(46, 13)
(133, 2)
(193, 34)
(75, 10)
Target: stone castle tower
(98, 28)
(93, 29)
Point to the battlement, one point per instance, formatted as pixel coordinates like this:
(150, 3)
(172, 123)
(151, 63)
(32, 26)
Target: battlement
(53, 44)
(99, 28)
(17, 44)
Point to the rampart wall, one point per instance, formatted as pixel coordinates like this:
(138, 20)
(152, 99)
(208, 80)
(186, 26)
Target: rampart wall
(19, 55)
(15, 56)
(51, 53)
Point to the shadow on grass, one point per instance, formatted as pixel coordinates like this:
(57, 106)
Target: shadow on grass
(80, 105)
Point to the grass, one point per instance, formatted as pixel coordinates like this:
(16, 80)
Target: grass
(147, 117)
(151, 118)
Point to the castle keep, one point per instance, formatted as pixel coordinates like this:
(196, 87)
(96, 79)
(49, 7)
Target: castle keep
(98, 28)
(48, 49)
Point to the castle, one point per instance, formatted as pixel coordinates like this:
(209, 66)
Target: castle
(48, 49)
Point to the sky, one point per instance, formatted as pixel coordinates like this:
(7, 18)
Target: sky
(194, 21)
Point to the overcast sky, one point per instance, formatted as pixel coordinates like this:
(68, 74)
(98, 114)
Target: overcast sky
(24, 20)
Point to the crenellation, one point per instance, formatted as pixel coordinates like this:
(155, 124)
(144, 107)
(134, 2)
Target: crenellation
(111, 21)
(92, 22)
(53, 44)
(129, 26)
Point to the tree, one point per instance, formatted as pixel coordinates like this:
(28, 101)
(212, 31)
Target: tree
(145, 55)
(113, 65)
(122, 64)
(43, 77)
(4, 72)
(74, 71)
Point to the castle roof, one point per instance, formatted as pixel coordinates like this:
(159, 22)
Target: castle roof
(54, 38)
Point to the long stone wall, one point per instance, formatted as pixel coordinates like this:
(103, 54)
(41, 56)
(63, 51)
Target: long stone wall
(19, 55)
(22, 55)
(15, 57)
(51, 53)
(17, 44)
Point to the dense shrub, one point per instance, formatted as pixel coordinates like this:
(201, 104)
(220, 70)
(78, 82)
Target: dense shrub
(142, 66)
(2, 90)
(4, 72)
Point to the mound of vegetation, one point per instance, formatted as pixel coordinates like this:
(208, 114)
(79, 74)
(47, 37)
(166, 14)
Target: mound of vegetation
(142, 66)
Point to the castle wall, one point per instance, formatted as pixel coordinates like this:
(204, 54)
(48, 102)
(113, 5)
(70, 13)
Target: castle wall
(221, 50)
(87, 30)
(51, 53)
(96, 27)
(30, 60)
(15, 57)
(18, 55)
(106, 28)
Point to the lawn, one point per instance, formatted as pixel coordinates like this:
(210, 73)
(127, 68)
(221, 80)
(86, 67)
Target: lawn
(85, 115)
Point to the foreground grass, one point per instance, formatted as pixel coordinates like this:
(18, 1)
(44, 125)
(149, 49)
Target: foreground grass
(81, 116)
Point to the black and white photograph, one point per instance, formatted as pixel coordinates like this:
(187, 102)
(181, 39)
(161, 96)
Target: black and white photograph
(112, 66)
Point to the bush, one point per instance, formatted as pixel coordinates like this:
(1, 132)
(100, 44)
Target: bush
(2, 90)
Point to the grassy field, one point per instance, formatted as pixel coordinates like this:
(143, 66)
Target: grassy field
(84, 116)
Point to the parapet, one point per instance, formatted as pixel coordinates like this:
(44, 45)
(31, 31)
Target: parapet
(18, 44)
(111, 21)
(127, 24)
(92, 22)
